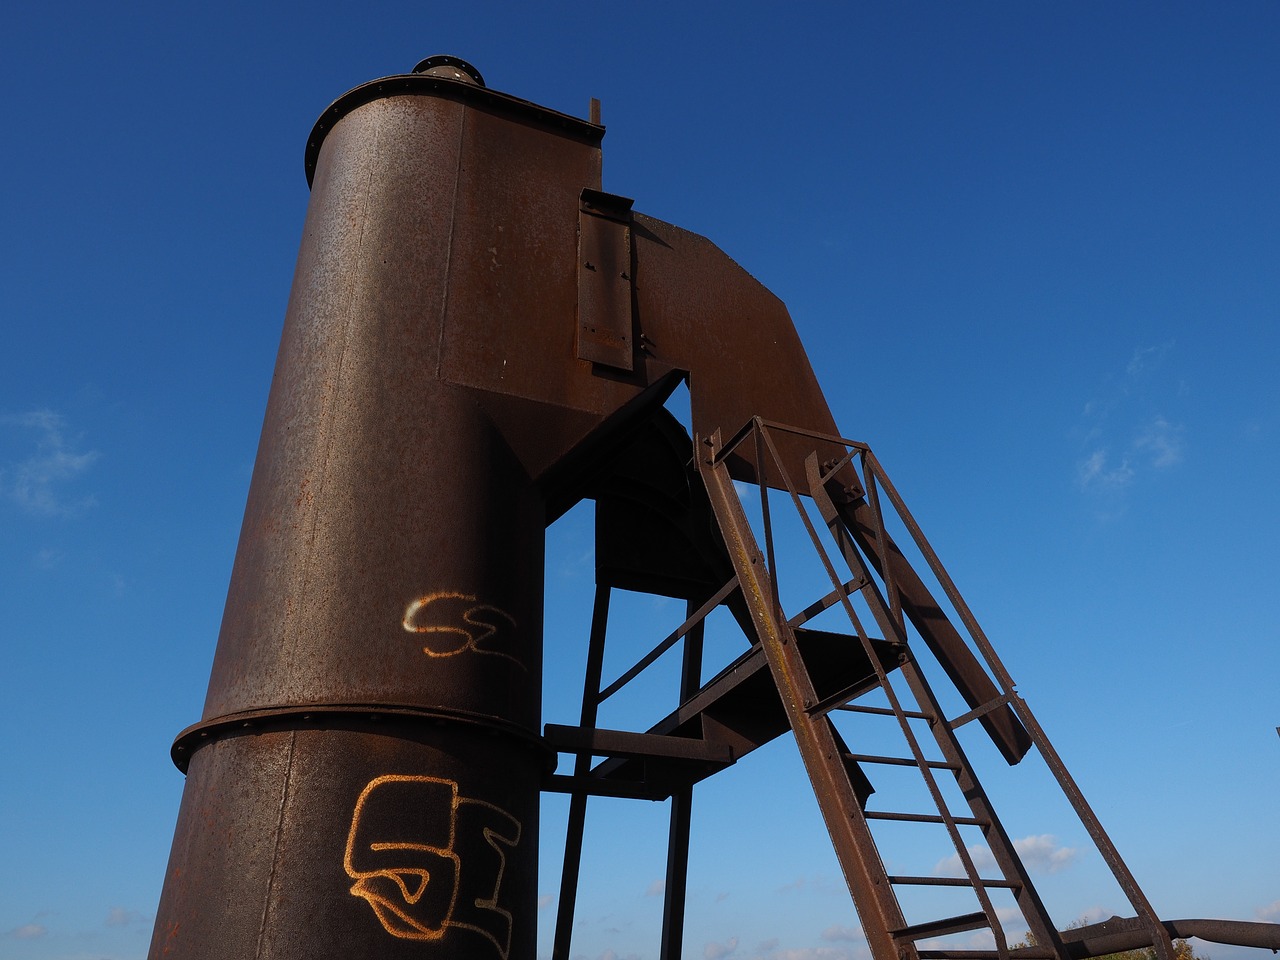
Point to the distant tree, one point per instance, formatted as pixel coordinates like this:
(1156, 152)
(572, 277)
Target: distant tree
(1182, 950)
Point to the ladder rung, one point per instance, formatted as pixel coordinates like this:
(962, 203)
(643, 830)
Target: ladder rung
(841, 697)
(827, 602)
(900, 761)
(923, 818)
(952, 882)
(982, 710)
(941, 928)
(886, 712)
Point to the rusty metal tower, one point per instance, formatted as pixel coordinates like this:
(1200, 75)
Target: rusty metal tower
(478, 338)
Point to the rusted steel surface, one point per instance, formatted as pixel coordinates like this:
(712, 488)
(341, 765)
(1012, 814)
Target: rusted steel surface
(310, 842)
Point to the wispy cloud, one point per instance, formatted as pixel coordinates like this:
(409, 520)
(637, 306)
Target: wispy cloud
(1011, 919)
(811, 953)
(37, 479)
(1094, 914)
(1123, 431)
(1161, 441)
(120, 917)
(1095, 471)
(816, 884)
(772, 950)
(1040, 853)
(1146, 359)
(47, 558)
(28, 931)
(717, 951)
(837, 932)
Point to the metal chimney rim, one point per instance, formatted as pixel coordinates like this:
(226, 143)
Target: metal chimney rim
(454, 68)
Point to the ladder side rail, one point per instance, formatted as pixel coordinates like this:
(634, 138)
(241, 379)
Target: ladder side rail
(581, 767)
(1119, 869)
(855, 848)
(882, 543)
(762, 482)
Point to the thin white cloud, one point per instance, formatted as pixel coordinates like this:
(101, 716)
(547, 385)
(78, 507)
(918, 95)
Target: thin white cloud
(1040, 853)
(837, 932)
(1123, 432)
(717, 951)
(979, 853)
(1011, 920)
(770, 950)
(1094, 914)
(120, 917)
(1146, 359)
(1161, 441)
(814, 953)
(816, 884)
(28, 931)
(1095, 471)
(47, 558)
(36, 482)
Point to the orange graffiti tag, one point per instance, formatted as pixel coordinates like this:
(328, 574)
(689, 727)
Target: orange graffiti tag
(457, 622)
(403, 856)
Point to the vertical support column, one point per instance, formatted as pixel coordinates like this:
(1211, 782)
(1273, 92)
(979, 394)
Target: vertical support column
(581, 765)
(681, 809)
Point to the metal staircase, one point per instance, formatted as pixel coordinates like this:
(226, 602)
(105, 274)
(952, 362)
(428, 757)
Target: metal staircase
(796, 678)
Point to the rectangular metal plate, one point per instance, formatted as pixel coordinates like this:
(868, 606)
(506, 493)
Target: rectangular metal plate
(605, 323)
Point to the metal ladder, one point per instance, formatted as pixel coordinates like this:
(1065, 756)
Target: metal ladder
(834, 770)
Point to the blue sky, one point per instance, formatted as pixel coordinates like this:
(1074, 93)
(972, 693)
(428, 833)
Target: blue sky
(1033, 251)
